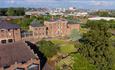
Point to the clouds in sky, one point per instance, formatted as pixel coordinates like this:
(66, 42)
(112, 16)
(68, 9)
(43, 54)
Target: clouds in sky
(102, 3)
(59, 3)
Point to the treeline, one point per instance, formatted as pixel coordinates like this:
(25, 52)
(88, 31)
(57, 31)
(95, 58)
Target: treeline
(111, 23)
(104, 13)
(12, 11)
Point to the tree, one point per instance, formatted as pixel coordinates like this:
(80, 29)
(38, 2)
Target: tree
(48, 48)
(101, 13)
(3, 11)
(19, 11)
(96, 44)
(81, 63)
(10, 12)
(74, 36)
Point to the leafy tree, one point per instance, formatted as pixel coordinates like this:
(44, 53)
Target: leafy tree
(101, 13)
(48, 48)
(96, 44)
(25, 23)
(81, 63)
(3, 11)
(74, 36)
(19, 11)
(10, 12)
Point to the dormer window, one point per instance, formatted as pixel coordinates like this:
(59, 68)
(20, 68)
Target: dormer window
(33, 67)
(6, 67)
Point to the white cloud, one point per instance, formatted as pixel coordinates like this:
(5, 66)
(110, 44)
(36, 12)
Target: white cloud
(39, 0)
(102, 3)
(11, 1)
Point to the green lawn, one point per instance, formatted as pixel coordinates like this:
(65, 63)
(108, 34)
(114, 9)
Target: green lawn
(57, 41)
(65, 46)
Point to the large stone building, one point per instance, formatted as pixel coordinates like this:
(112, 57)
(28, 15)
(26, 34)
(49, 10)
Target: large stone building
(9, 32)
(53, 28)
(18, 56)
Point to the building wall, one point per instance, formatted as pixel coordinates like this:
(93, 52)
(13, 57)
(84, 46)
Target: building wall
(70, 27)
(6, 34)
(38, 32)
(17, 34)
(57, 28)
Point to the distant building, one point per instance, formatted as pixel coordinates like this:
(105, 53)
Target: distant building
(82, 14)
(72, 8)
(34, 13)
(9, 32)
(57, 11)
(18, 56)
(102, 18)
(53, 28)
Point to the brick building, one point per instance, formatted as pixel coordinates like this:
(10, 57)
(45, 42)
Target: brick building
(53, 28)
(9, 32)
(19, 57)
(38, 29)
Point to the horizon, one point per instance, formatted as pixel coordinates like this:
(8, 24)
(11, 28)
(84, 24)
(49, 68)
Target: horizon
(79, 4)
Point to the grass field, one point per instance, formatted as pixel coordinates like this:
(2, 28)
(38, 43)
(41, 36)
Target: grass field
(65, 46)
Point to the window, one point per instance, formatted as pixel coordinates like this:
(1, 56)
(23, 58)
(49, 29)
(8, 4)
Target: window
(3, 41)
(36, 29)
(16, 29)
(6, 67)
(33, 67)
(2, 30)
(10, 40)
(39, 28)
(8, 29)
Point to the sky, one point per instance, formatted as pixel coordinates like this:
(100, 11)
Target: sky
(86, 4)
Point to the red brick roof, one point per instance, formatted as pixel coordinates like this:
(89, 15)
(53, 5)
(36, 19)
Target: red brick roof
(15, 52)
